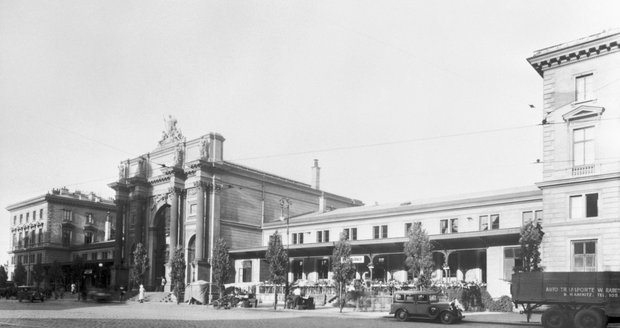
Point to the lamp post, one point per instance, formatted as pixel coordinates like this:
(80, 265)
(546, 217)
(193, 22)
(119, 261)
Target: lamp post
(286, 203)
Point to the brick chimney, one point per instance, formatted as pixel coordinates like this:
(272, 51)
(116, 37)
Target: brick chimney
(316, 175)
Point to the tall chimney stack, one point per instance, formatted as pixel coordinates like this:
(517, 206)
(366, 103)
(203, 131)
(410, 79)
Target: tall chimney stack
(316, 175)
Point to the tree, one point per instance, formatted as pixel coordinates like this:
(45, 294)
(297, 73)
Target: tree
(38, 273)
(278, 264)
(530, 240)
(3, 276)
(20, 275)
(222, 265)
(141, 264)
(55, 274)
(177, 272)
(418, 250)
(343, 268)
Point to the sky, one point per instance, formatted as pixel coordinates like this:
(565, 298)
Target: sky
(398, 100)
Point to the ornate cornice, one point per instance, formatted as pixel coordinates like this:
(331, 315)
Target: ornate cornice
(196, 166)
(160, 179)
(593, 46)
(175, 190)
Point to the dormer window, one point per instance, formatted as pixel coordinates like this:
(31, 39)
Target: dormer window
(584, 88)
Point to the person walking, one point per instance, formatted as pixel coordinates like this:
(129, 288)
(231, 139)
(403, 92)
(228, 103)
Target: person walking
(141, 294)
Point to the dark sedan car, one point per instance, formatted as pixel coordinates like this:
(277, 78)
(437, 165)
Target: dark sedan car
(29, 293)
(424, 305)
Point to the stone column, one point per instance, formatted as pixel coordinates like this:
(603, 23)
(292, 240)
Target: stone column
(200, 223)
(214, 220)
(140, 218)
(174, 219)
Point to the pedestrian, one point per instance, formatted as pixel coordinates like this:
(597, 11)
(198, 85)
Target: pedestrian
(73, 288)
(141, 294)
(122, 294)
(163, 283)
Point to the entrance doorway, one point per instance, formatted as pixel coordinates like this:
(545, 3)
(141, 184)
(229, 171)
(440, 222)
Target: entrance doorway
(161, 238)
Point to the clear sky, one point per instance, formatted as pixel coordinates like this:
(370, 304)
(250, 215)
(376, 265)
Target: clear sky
(399, 100)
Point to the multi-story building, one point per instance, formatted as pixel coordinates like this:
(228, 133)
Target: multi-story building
(581, 149)
(59, 226)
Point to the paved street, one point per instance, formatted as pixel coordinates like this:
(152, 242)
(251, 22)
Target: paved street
(70, 313)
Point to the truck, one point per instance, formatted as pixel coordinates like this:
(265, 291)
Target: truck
(569, 299)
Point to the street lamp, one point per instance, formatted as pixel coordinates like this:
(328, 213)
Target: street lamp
(286, 203)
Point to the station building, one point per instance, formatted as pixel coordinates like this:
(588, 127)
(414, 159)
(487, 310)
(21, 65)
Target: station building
(184, 193)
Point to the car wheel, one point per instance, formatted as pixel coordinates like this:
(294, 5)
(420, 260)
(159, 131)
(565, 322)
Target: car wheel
(401, 315)
(447, 317)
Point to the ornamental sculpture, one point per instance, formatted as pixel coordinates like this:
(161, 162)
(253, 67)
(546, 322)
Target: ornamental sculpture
(204, 148)
(172, 133)
(179, 154)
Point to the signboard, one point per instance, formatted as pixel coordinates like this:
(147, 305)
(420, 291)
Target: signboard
(357, 259)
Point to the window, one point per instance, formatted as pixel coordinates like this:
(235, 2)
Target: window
(443, 226)
(31, 258)
(192, 209)
(584, 255)
(298, 238)
(322, 236)
(583, 87)
(583, 206)
(93, 256)
(454, 225)
(33, 240)
(512, 259)
(88, 237)
(380, 232)
(41, 214)
(40, 236)
(104, 255)
(583, 146)
(350, 233)
(246, 271)
(34, 215)
(489, 222)
(323, 268)
(532, 216)
(39, 258)
(66, 237)
(14, 219)
(67, 215)
(89, 218)
(27, 216)
(21, 216)
(408, 227)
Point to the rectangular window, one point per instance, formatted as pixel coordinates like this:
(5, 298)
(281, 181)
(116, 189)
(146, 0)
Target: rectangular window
(583, 87)
(20, 218)
(323, 268)
(531, 216)
(67, 215)
(15, 220)
(104, 255)
(33, 240)
(350, 233)
(246, 275)
(88, 237)
(583, 146)
(454, 225)
(66, 237)
(494, 221)
(322, 236)
(34, 215)
(89, 218)
(443, 226)
(384, 231)
(39, 258)
(93, 256)
(408, 226)
(583, 206)
(484, 222)
(375, 232)
(512, 259)
(298, 238)
(584, 255)
(380, 232)
(27, 216)
(192, 209)
(31, 258)
(41, 214)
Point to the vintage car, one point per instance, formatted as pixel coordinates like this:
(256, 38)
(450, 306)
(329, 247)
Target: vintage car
(99, 295)
(424, 305)
(29, 293)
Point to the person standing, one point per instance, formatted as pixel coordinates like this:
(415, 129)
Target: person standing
(141, 294)
(163, 283)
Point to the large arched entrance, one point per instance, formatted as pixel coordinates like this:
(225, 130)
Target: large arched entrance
(191, 256)
(160, 235)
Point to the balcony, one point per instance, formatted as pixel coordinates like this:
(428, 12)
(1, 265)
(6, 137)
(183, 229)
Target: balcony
(582, 170)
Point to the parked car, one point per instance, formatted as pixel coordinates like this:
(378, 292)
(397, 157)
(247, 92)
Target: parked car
(29, 293)
(424, 305)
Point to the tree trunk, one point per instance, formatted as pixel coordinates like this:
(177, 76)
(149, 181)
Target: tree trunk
(340, 300)
(275, 297)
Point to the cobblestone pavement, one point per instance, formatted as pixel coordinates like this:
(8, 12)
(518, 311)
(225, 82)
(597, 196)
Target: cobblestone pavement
(70, 313)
